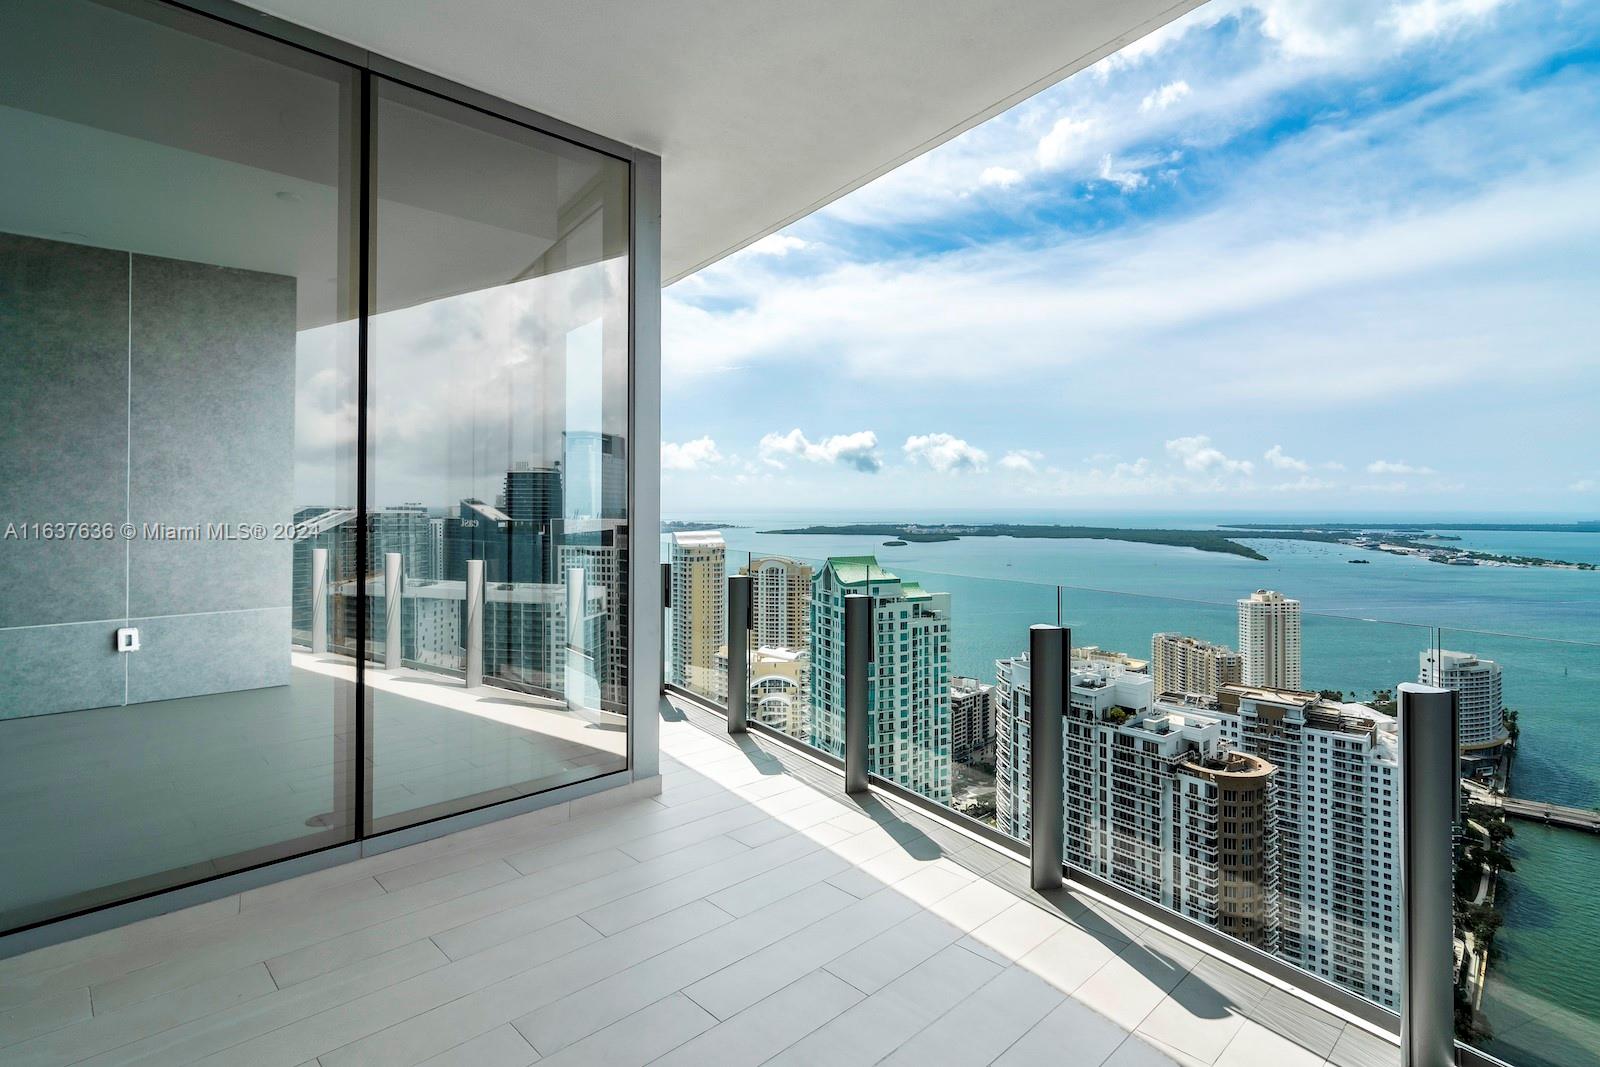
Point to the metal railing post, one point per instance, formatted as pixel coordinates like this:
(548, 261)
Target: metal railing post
(666, 631)
(1049, 657)
(857, 662)
(393, 584)
(1429, 795)
(738, 633)
(475, 594)
(319, 600)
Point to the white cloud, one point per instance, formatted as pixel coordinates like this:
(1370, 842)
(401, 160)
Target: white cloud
(1126, 180)
(1386, 466)
(777, 244)
(1283, 462)
(1584, 485)
(1207, 303)
(1165, 97)
(1022, 460)
(1431, 18)
(858, 451)
(1065, 141)
(1199, 455)
(945, 453)
(999, 177)
(691, 455)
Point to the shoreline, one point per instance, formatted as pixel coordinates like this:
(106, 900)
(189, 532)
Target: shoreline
(1225, 540)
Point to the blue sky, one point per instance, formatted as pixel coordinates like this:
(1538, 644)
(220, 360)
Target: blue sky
(1291, 255)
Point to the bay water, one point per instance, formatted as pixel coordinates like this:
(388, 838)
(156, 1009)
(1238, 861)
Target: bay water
(1364, 627)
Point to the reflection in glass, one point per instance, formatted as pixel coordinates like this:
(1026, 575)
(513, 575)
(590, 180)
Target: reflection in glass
(497, 532)
(175, 269)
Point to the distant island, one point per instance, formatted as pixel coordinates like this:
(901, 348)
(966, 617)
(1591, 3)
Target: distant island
(1204, 540)
(1420, 540)
(1386, 538)
(680, 526)
(1419, 527)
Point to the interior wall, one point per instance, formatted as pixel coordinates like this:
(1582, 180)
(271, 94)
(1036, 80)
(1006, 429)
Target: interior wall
(145, 390)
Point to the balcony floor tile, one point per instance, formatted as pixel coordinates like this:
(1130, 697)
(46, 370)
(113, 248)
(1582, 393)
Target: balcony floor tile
(752, 913)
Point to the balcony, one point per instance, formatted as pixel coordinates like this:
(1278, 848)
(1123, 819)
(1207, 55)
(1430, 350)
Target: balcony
(749, 913)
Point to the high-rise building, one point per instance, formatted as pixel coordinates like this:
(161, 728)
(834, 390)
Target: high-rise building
(1337, 830)
(402, 528)
(435, 549)
(1096, 687)
(595, 475)
(780, 687)
(1154, 800)
(908, 687)
(1183, 664)
(780, 592)
(1159, 805)
(484, 532)
(1087, 654)
(1269, 639)
(532, 494)
(601, 555)
(971, 720)
(699, 607)
(1480, 707)
(531, 498)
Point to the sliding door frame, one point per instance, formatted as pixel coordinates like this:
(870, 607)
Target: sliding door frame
(641, 582)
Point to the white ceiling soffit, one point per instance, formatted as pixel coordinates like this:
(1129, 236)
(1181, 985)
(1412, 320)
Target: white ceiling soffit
(762, 111)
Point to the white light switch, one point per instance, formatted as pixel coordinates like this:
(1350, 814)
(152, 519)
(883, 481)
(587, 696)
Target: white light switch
(128, 639)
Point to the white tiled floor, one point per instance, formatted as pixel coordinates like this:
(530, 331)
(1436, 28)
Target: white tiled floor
(740, 917)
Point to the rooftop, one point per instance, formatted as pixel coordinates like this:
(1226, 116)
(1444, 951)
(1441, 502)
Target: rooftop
(857, 570)
(698, 539)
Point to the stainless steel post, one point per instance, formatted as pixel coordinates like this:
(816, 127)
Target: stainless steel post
(666, 606)
(1049, 656)
(393, 599)
(475, 595)
(857, 662)
(738, 633)
(319, 600)
(1429, 794)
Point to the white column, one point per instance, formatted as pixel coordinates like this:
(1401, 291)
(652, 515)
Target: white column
(574, 656)
(475, 593)
(319, 600)
(393, 599)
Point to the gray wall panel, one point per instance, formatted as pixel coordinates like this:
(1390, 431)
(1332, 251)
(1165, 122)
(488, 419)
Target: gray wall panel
(189, 655)
(213, 433)
(63, 426)
(46, 669)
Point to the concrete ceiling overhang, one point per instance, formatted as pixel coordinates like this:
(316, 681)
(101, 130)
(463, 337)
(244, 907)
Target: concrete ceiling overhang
(762, 111)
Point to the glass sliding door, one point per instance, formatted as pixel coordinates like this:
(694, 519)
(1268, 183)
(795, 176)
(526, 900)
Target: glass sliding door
(178, 370)
(497, 525)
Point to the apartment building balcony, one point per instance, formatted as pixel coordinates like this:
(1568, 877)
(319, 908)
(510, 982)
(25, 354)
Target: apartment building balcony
(379, 772)
(749, 912)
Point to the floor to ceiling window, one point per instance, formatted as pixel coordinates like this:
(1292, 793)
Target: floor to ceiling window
(197, 593)
(497, 432)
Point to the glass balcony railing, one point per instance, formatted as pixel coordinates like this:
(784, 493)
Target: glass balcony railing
(1234, 767)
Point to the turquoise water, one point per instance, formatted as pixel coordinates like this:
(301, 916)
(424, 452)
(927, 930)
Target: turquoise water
(1543, 998)
(1364, 626)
